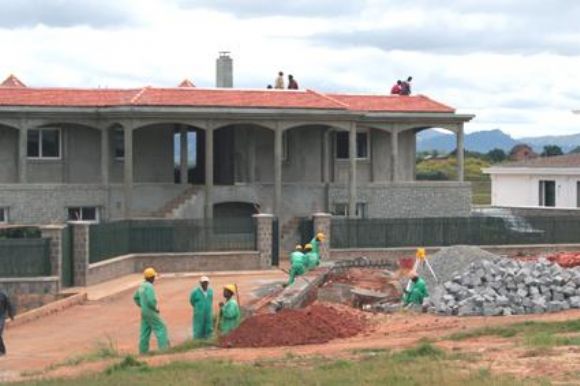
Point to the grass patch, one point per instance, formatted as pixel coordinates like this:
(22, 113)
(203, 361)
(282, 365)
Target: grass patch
(550, 339)
(529, 328)
(503, 332)
(129, 363)
(189, 345)
(422, 351)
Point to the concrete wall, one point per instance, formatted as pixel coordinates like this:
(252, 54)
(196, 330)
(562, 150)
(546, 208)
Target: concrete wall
(523, 190)
(8, 155)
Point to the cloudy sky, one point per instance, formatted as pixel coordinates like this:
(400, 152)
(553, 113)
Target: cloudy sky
(513, 63)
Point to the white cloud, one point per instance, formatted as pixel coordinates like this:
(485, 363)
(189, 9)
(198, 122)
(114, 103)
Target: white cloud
(512, 63)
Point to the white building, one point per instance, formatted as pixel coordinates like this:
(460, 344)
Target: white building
(540, 182)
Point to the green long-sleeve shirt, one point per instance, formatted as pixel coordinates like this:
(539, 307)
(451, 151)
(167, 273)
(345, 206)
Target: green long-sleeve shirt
(416, 293)
(145, 298)
(230, 316)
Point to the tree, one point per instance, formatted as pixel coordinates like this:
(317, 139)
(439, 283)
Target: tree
(552, 150)
(496, 155)
(576, 150)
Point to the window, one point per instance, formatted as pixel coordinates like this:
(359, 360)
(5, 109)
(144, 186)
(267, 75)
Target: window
(547, 193)
(362, 145)
(43, 143)
(3, 215)
(119, 143)
(83, 213)
(341, 210)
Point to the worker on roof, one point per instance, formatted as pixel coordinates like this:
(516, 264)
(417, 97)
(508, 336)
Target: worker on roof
(417, 291)
(315, 242)
(406, 86)
(146, 299)
(297, 264)
(396, 89)
(292, 84)
(201, 299)
(311, 258)
(279, 83)
(229, 318)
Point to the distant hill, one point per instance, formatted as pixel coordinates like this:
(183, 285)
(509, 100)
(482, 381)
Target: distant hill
(484, 141)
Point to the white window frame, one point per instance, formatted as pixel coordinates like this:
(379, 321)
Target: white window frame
(4, 216)
(366, 158)
(40, 131)
(542, 194)
(81, 210)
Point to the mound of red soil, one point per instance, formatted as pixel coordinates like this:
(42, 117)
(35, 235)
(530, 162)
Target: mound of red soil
(566, 259)
(314, 324)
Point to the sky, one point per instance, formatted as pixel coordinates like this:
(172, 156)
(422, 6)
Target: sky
(515, 64)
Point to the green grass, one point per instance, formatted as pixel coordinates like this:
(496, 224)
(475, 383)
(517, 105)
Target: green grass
(503, 332)
(481, 192)
(424, 364)
(189, 345)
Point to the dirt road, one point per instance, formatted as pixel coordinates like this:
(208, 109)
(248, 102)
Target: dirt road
(81, 329)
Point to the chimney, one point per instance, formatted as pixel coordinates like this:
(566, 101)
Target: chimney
(224, 76)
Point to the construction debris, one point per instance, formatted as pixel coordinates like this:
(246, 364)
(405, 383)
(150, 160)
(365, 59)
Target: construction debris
(503, 286)
(317, 323)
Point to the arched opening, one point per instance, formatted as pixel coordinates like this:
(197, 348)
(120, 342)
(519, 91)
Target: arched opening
(436, 149)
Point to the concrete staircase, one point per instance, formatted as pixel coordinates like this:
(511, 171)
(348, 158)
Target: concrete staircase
(174, 208)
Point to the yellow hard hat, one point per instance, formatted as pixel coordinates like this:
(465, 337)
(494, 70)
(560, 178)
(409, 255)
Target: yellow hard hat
(420, 253)
(320, 236)
(308, 246)
(149, 273)
(298, 247)
(231, 288)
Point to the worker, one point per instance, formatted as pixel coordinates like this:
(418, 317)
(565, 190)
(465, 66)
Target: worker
(311, 258)
(416, 292)
(292, 84)
(201, 299)
(297, 264)
(315, 242)
(279, 83)
(229, 318)
(146, 299)
(396, 89)
(6, 310)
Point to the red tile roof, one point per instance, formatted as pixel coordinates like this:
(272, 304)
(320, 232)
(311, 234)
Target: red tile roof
(197, 97)
(12, 81)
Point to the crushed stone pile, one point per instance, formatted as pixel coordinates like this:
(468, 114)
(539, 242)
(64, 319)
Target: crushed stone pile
(448, 261)
(566, 259)
(315, 324)
(503, 286)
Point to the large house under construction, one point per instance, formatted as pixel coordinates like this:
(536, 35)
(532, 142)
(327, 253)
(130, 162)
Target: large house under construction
(187, 152)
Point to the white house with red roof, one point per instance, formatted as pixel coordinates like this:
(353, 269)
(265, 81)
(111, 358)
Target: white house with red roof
(104, 153)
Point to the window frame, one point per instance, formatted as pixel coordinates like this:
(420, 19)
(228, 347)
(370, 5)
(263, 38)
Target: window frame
(40, 156)
(81, 211)
(360, 207)
(542, 193)
(359, 132)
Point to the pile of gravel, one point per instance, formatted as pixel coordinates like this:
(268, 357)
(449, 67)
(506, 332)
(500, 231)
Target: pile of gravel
(503, 286)
(450, 261)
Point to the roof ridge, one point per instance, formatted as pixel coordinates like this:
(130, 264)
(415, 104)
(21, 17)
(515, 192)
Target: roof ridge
(138, 95)
(345, 105)
(436, 102)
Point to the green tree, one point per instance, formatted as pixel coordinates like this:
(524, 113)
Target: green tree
(552, 150)
(576, 150)
(496, 155)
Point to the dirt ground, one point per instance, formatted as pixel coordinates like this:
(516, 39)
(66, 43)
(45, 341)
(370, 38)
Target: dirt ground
(38, 344)
(34, 346)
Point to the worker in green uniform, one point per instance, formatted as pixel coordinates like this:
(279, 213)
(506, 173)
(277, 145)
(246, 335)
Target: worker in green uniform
(229, 311)
(201, 299)
(146, 299)
(316, 241)
(297, 267)
(311, 258)
(416, 292)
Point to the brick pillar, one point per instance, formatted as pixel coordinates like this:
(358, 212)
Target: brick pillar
(322, 222)
(54, 233)
(80, 253)
(264, 238)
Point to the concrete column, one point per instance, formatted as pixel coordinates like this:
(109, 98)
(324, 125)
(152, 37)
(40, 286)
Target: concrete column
(326, 156)
(183, 155)
(128, 168)
(322, 223)
(264, 238)
(105, 156)
(208, 208)
(460, 153)
(251, 155)
(277, 172)
(352, 171)
(22, 154)
(394, 155)
(81, 231)
(54, 233)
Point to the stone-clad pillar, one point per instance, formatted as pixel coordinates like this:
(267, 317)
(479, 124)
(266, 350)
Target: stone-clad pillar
(128, 168)
(264, 238)
(352, 171)
(22, 154)
(322, 223)
(208, 206)
(277, 172)
(54, 233)
(183, 155)
(460, 153)
(81, 232)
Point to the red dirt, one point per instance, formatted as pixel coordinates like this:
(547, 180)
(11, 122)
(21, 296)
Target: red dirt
(566, 259)
(367, 278)
(314, 324)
